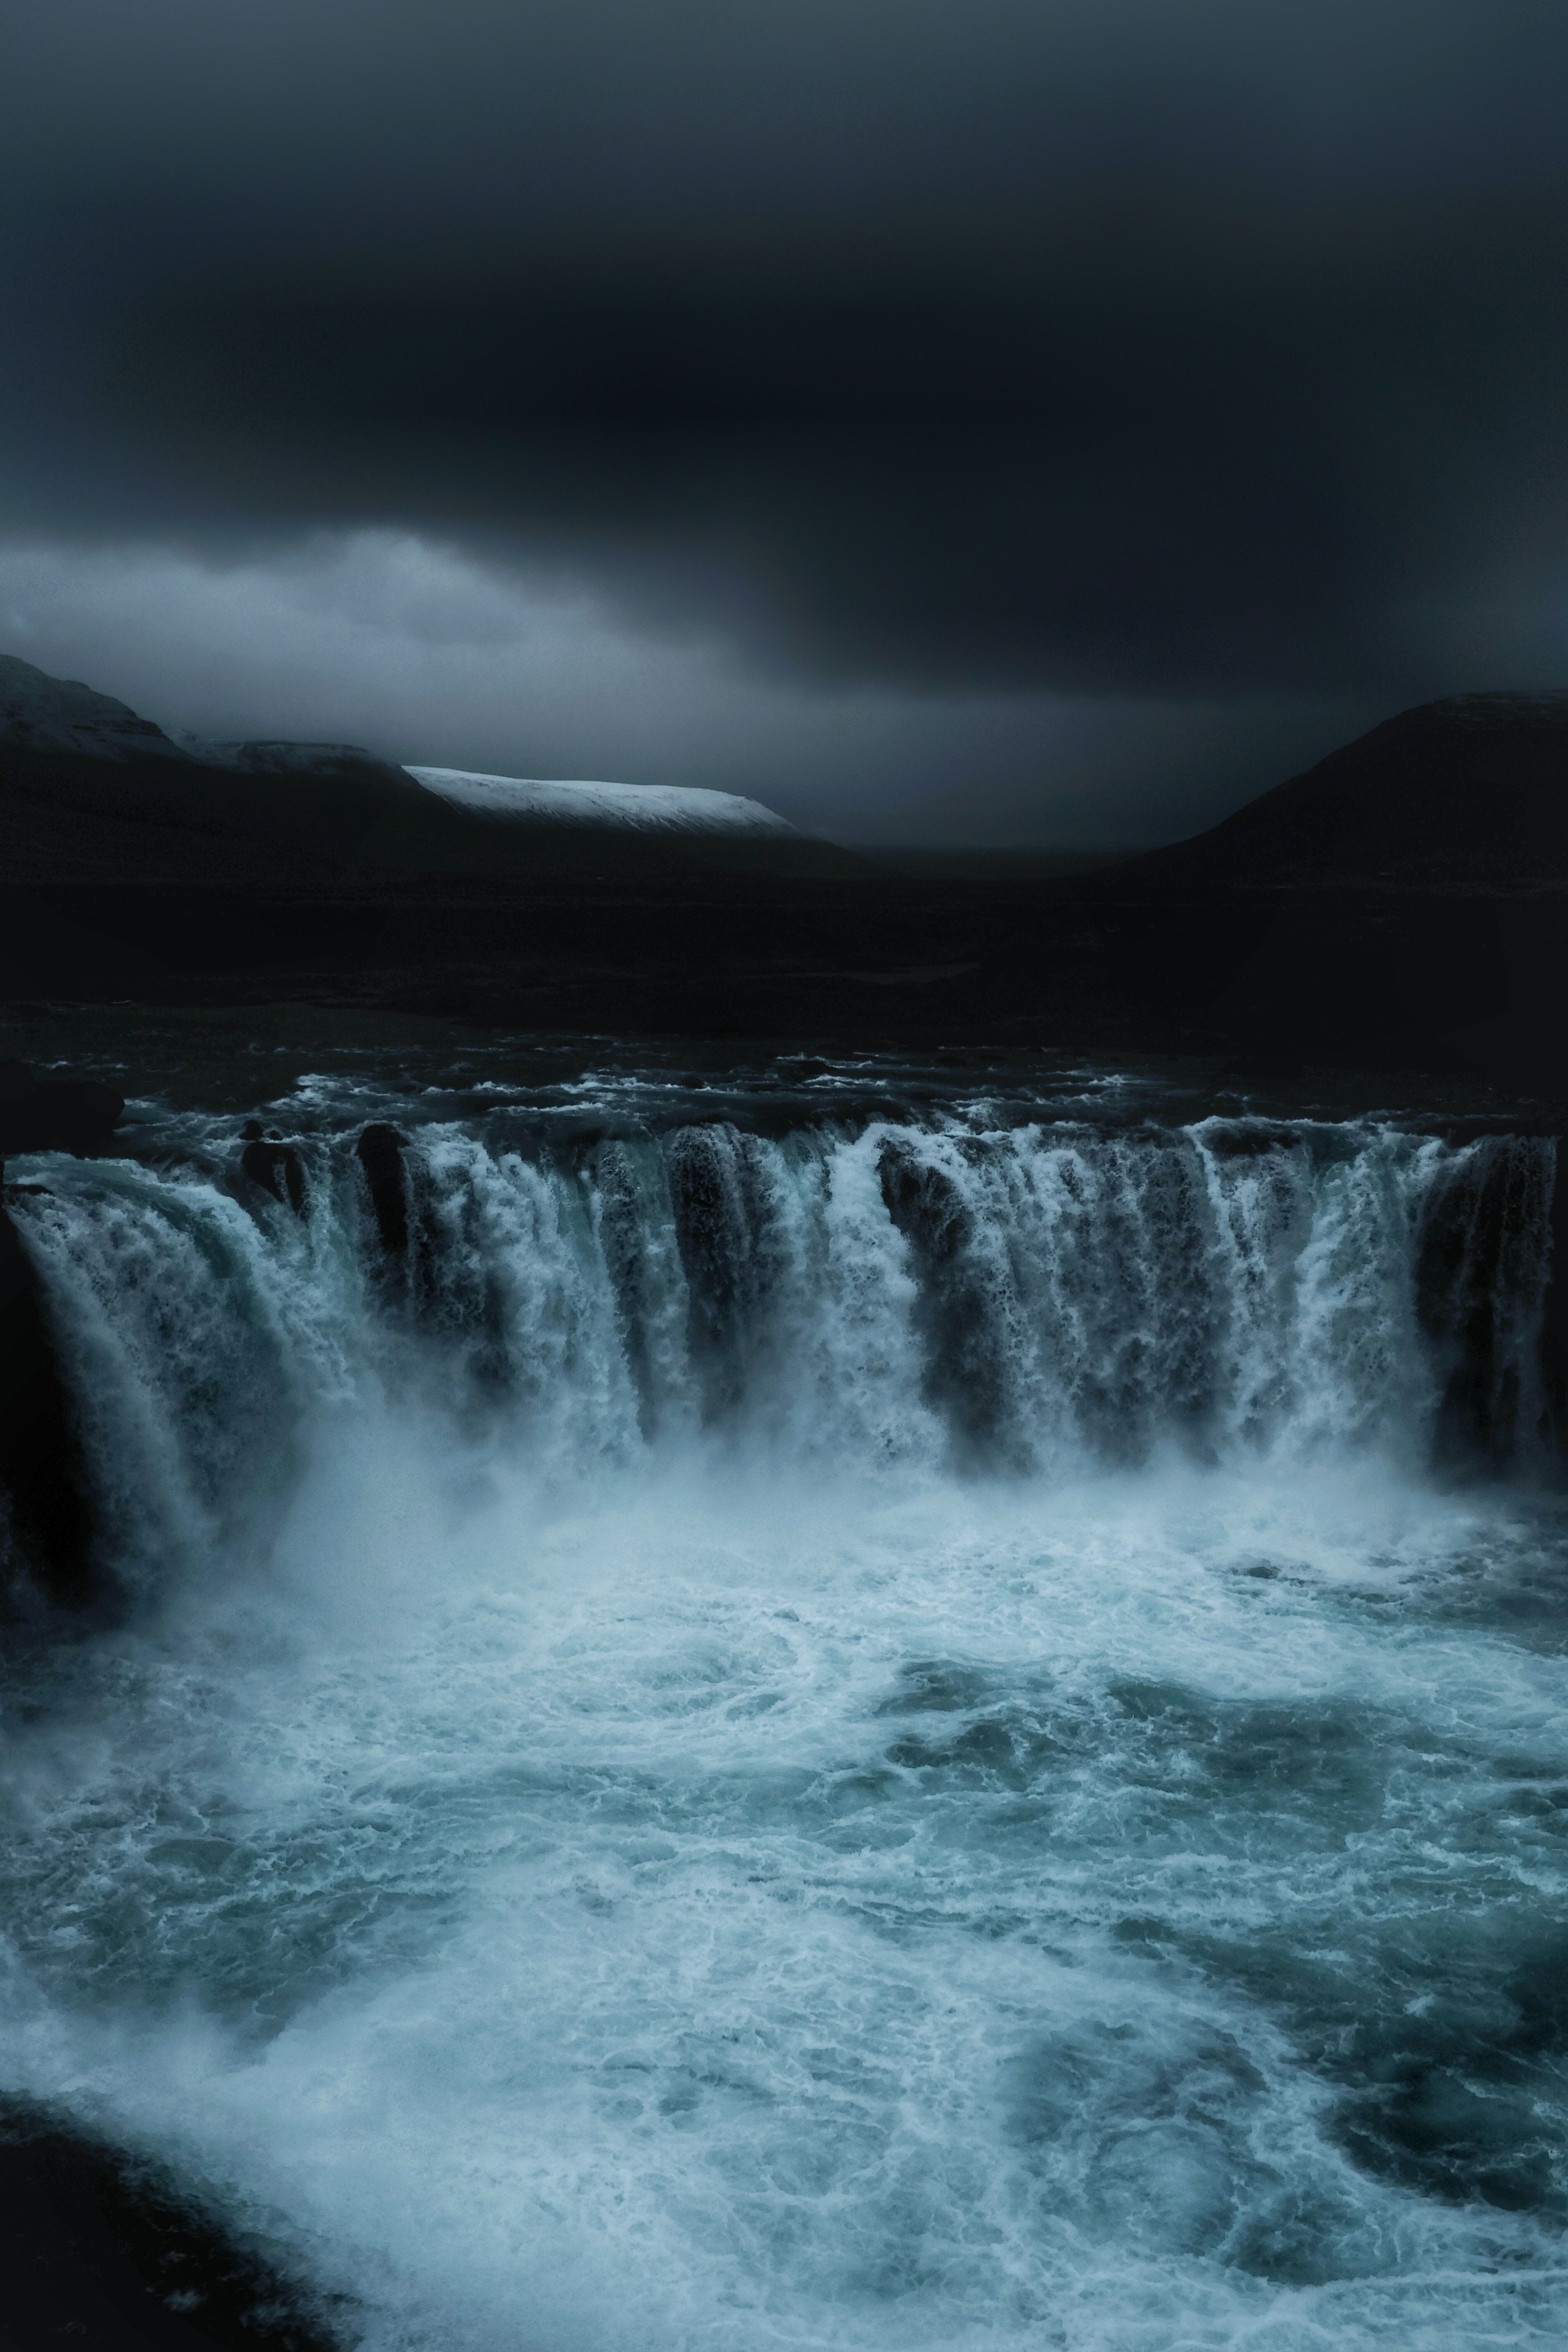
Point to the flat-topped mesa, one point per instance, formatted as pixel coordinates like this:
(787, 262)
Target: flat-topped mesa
(1465, 796)
(263, 757)
(635, 808)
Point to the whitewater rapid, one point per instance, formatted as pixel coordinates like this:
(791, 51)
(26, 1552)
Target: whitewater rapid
(871, 1732)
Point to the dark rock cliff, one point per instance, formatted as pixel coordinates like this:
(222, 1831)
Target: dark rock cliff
(46, 1521)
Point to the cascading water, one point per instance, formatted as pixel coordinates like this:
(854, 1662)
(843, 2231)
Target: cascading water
(1039, 1299)
(861, 1730)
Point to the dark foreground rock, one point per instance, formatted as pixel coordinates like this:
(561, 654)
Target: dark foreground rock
(1554, 1315)
(380, 1151)
(46, 1521)
(274, 1165)
(102, 2256)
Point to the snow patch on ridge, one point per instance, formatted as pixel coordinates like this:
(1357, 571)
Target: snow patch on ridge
(637, 808)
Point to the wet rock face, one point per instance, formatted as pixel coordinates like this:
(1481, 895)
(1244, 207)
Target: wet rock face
(380, 1153)
(46, 1522)
(1553, 1344)
(275, 1165)
(956, 1314)
(1487, 1240)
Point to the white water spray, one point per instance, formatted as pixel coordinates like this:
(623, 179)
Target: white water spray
(868, 1737)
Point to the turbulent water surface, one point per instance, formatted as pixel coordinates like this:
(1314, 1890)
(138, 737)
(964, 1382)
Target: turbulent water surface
(856, 1707)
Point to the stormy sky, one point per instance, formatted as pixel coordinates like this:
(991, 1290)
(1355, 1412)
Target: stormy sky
(953, 419)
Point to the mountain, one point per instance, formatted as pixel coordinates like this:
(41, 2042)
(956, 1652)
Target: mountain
(91, 792)
(1465, 796)
(43, 714)
(1400, 905)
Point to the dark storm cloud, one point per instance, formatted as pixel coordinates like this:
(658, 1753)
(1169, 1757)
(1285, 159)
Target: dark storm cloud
(1132, 347)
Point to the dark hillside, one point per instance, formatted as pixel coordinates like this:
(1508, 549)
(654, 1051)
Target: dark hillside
(1469, 795)
(1401, 906)
(88, 790)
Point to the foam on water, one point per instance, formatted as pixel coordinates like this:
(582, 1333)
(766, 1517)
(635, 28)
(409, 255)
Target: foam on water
(873, 1739)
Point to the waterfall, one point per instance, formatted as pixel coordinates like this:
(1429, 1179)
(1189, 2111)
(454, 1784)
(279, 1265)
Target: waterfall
(859, 1730)
(944, 1297)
